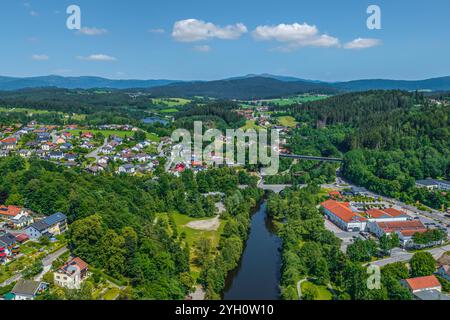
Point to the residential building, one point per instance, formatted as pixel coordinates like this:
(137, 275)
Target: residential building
(342, 216)
(8, 143)
(432, 184)
(10, 212)
(72, 274)
(22, 220)
(127, 168)
(50, 226)
(9, 244)
(425, 288)
(444, 272)
(27, 289)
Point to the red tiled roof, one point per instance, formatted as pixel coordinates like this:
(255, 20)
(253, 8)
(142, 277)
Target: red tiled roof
(403, 226)
(9, 140)
(75, 261)
(10, 211)
(376, 213)
(342, 210)
(22, 237)
(394, 212)
(423, 283)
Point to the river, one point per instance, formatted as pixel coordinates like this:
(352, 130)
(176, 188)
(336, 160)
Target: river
(257, 276)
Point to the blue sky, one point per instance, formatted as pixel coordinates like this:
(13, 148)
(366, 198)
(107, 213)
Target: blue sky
(204, 40)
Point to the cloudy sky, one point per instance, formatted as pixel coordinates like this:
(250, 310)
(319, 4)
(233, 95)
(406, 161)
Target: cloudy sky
(203, 40)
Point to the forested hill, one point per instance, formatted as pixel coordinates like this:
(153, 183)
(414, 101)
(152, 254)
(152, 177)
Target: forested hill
(390, 139)
(247, 88)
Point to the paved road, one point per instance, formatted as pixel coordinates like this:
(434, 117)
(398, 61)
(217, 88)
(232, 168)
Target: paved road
(46, 262)
(404, 256)
(94, 153)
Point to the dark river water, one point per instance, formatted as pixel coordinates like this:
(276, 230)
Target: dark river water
(258, 275)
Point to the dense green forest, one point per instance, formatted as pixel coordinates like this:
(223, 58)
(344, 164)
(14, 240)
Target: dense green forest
(114, 225)
(389, 138)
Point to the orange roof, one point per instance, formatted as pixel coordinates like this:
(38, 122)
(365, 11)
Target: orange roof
(9, 140)
(334, 193)
(75, 262)
(423, 283)
(405, 226)
(342, 211)
(376, 213)
(394, 212)
(10, 211)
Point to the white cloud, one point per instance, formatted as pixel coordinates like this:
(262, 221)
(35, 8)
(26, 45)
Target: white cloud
(295, 35)
(157, 30)
(40, 57)
(97, 57)
(361, 43)
(92, 31)
(202, 48)
(33, 13)
(191, 30)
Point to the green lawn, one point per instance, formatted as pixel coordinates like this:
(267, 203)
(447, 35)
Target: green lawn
(172, 102)
(169, 110)
(297, 99)
(111, 293)
(119, 133)
(250, 124)
(287, 121)
(322, 291)
(193, 236)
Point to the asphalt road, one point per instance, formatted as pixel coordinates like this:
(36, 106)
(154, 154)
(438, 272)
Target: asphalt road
(403, 256)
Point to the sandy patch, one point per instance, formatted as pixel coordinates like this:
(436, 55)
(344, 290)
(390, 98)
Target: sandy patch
(205, 225)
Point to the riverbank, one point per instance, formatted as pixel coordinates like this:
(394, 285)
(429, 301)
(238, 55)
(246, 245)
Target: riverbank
(257, 276)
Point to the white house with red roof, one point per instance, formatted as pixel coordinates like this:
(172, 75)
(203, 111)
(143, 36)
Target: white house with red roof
(72, 274)
(425, 288)
(386, 215)
(342, 215)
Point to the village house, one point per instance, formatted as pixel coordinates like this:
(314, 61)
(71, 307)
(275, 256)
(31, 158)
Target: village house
(51, 226)
(4, 153)
(56, 155)
(444, 272)
(10, 212)
(341, 215)
(70, 156)
(425, 288)
(27, 289)
(72, 274)
(103, 161)
(8, 143)
(9, 245)
(127, 168)
(21, 220)
(432, 184)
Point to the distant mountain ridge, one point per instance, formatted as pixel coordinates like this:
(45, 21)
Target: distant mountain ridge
(84, 82)
(244, 87)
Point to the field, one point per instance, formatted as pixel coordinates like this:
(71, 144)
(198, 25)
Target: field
(322, 292)
(172, 102)
(31, 112)
(193, 236)
(119, 133)
(169, 110)
(287, 121)
(297, 99)
(250, 124)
